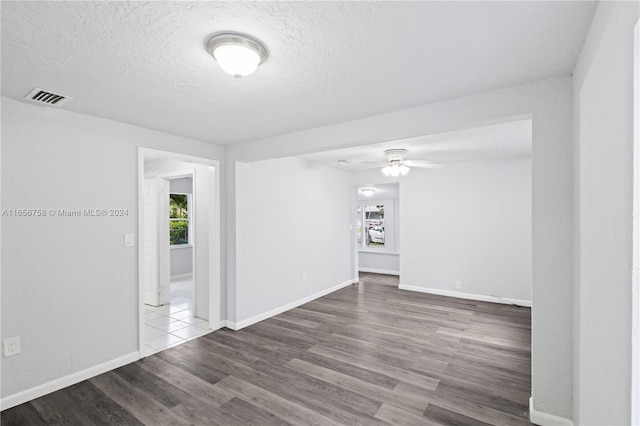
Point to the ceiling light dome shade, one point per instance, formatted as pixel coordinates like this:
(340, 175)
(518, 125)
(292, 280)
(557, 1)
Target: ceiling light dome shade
(237, 54)
(368, 191)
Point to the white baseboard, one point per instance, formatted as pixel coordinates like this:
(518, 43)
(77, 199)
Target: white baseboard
(544, 419)
(471, 296)
(151, 296)
(63, 382)
(379, 271)
(228, 324)
(273, 312)
(180, 276)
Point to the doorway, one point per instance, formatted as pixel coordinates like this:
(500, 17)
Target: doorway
(179, 254)
(377, 229)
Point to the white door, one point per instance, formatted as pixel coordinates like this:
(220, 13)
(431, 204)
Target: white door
(151, 295)
(164, 260)
(156, 241)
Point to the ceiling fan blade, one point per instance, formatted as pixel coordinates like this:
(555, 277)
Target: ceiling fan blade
(424, 164)
(371, 165)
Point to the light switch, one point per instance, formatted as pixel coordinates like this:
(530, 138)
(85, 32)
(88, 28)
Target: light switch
(129, 240)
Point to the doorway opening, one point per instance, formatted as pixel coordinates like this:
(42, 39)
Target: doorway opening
(377, 229)
(179, 254)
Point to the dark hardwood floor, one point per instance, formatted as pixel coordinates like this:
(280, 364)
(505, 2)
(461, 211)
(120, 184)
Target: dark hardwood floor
(368, 354)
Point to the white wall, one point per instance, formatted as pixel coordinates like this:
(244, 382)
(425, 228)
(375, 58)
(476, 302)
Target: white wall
(66, 278)
(548, 102)
(181, 185)
(603, 115)
(379, 262)
(293, 216)
(181, 259)
(468, 222)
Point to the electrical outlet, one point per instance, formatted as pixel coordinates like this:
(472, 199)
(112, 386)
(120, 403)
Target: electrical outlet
(11, 346)
(458, 285)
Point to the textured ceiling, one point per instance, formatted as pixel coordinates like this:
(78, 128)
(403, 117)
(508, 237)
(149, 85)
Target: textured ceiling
(145, 63)
(512, 139)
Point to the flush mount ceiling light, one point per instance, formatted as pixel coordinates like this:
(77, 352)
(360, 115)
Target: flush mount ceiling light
(236, 53)
(368, 191)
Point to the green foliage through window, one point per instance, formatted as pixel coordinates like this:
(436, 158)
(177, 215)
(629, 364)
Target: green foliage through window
(178, 219)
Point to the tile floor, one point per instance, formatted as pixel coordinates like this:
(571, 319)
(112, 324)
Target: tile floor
(173, 324)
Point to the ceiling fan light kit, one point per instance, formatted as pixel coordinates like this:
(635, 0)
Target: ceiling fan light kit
(396, 167)
(395, 170)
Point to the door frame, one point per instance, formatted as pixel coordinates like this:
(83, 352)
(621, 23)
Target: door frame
(214, 239)
(164, 260)
(635, 283)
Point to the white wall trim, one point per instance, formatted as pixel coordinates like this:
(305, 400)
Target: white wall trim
(395, 253)
(180, 276)
(635, 280)
(228, 324)
(180, 246)
(471, 296)
(273, 312)
(71, 379)
(545, 419)
(379, 271)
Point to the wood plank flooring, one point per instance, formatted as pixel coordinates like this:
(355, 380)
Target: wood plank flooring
(369, 354)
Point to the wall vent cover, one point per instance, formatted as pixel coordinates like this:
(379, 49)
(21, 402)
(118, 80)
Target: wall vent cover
(44, 97)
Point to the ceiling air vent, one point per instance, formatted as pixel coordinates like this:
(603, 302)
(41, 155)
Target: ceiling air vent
(47, 98)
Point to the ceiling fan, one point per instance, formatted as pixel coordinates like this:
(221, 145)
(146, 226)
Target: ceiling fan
(398, 165)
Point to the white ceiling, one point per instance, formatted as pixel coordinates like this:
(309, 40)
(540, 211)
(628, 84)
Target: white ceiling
(512, 139)
(145, 62)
